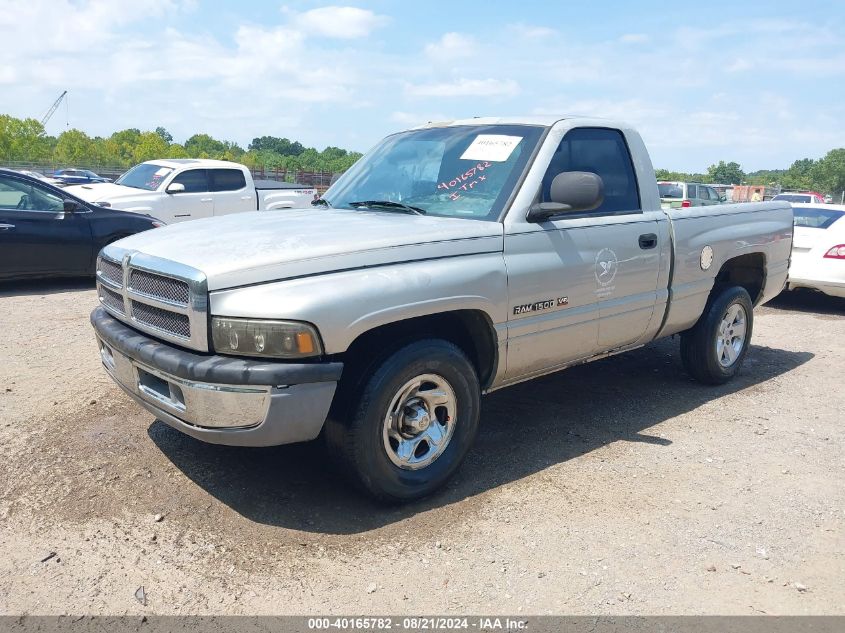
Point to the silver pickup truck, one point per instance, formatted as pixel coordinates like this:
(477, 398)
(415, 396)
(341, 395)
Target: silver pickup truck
(452, 260)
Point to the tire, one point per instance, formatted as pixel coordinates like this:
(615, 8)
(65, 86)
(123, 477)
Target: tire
(714, 349)
(409, 455)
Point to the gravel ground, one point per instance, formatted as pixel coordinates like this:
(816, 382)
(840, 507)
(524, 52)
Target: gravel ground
(619, 487)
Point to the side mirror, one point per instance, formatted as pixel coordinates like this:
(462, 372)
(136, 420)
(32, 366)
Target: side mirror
(175, 187)
(71, 206)
(571, 192)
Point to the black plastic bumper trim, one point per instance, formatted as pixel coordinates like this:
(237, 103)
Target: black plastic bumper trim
(222, 370)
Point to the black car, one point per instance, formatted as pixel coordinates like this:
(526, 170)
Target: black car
(78, 176)
(46, 232)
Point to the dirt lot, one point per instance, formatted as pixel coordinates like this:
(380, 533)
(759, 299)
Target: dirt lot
(618, 487)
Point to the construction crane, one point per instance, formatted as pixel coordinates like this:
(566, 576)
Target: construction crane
(53, 108)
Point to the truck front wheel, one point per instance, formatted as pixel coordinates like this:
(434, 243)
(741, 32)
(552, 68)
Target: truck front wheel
(411, 422)
(714, 349)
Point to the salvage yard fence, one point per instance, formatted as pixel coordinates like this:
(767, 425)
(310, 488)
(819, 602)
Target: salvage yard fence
(317, 179)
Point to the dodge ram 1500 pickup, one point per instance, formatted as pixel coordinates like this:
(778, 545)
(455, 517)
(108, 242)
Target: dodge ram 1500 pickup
(183, 189)
(452, 260)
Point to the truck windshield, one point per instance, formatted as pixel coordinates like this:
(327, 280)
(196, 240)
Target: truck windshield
(466, 171)
(144, 176)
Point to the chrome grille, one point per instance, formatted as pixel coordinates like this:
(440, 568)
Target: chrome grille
(159, 287)
(112, 299)
(163, 298)
(110, 270)
(169, 322)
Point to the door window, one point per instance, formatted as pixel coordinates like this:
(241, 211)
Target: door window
(227, 179)
(603, 152)
(25, 196)
(195, 180)
(704, 193)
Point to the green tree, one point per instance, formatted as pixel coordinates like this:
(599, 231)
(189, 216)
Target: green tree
(800, 174)
(166, 136)
(204, 146)
(150, 146)
(120, 146)
(281, 146)
(22, 139)
(828, 174)
(75, 147)
(765, 177)
(176, 151)
(725, 173)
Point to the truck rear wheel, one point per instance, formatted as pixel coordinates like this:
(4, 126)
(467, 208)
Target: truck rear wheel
(714, 349)
(410, 424)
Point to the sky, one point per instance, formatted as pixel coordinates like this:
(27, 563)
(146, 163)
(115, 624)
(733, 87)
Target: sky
(760, 83)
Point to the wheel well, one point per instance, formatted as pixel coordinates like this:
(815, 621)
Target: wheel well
(748, 271)
(471, 330)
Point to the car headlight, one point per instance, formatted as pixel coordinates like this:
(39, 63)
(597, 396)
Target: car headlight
(254, 337)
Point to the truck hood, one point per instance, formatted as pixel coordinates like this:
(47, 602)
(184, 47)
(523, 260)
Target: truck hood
(99, 191)
(261, 246)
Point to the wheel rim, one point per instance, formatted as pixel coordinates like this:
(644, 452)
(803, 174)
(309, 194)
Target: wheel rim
(420, 422)
(730, 339)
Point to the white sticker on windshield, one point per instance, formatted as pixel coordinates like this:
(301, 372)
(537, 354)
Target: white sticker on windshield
(163, 171)
(493, 147)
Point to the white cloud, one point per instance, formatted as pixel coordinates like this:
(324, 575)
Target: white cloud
(451, 47)
(347, 23)
(531, 31)
(315, 75)
(465, 88)
(70, 27)
(740, 64)
(634, 38)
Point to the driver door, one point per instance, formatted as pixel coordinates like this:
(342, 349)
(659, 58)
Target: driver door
(193, 203)
(37, 238)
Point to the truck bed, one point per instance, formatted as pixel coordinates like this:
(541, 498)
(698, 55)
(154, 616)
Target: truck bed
(729, 230)
(274, 194)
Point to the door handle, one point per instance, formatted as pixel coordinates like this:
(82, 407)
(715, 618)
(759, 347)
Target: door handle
(6, 227)
(648, 240)
(206, 199)
(246, 197)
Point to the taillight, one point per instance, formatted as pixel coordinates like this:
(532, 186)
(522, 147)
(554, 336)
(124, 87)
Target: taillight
(686, 203)
(837, 252)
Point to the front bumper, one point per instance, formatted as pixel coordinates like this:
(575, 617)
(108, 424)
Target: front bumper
(218, 399)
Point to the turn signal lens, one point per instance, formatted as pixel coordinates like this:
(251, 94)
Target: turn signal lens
(304, 343)
(254, 337)
(837, 252)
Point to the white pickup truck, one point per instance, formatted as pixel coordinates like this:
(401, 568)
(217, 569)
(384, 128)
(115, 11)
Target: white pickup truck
(188, 189)
(450, 261)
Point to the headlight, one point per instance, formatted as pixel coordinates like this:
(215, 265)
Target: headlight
(253, 337)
